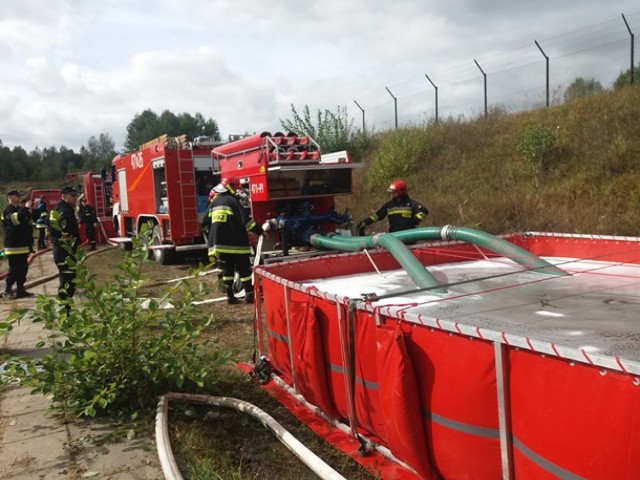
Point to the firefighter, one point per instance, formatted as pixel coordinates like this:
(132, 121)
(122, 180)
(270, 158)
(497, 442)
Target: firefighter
(115, 211)
(18, 238)
(25, 207)
(88, 217)
(41, 217)
(403, 212)
(228, 240)
(63, 231)
(205, 227)
(243, 195)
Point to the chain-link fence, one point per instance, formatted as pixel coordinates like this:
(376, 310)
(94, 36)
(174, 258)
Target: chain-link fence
(526, 78)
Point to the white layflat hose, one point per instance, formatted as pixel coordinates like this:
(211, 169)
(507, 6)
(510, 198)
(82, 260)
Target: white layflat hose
(105, 234)
(168, 462)
(256, 259)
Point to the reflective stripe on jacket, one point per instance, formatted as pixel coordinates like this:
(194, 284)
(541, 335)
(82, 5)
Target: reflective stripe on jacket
(229, 226)
(403, 212)
(17, 229)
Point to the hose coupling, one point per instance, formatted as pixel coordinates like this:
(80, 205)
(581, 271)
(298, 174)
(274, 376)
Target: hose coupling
(446, 232)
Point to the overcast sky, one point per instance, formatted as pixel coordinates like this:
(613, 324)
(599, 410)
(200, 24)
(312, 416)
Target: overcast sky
(71, 69)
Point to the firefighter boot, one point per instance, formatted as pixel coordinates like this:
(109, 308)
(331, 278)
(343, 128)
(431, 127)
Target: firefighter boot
(231, 298)
(222, 288)
(22, 293)
(248, 291)
(249, 297)
(8, 293)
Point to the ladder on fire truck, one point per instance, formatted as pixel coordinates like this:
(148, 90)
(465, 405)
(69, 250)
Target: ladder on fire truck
(189, 215)
(100, 203)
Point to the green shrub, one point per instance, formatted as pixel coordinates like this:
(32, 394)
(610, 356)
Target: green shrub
(6, 326)
(361, 144)
(113, 352)
(402, 153)
(332, 130)
(536, 145)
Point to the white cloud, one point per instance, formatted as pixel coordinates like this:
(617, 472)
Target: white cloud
(28, 25)
(71, 69)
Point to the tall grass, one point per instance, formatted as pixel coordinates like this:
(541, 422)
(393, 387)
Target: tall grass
(572, 168)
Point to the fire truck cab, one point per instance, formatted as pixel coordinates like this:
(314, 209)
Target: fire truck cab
(166, 185)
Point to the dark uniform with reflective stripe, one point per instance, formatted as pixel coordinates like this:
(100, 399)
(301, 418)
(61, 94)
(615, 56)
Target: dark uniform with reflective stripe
(41, 216)
(403, 212)
(63, 229)
(17, 228)
(229, 225)
(89, 218)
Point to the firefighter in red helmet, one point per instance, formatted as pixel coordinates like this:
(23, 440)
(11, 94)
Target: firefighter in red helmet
(231, 184)
(403, 212)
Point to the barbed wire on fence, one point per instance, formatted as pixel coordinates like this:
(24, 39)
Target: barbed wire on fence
(516, 79)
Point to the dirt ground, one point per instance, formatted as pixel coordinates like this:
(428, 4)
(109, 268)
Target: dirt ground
(36, 443)
(246, 446)
(75, 449)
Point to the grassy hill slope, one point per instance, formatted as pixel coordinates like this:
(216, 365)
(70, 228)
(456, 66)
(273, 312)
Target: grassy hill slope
(573, 168)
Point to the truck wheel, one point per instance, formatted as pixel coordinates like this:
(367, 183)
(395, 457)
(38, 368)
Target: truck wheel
(161, 255)
(126, 246)
(144, 246)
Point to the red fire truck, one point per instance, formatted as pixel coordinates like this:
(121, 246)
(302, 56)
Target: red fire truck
(51, 196)
(291, 186)
(167, 183)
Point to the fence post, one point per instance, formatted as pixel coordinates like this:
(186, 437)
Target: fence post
(485, 86)
(547, 69)
(395, 102)
(436, 89)
(632, 46)
(363, 130)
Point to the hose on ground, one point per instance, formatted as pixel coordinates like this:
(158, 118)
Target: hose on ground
(30, 259)
(168, 462)
(107, 239)
(52, 276)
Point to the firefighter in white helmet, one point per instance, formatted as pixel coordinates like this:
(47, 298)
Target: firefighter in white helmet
(229, 225)
(403, 212)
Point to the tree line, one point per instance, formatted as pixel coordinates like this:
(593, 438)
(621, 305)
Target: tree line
(51, 164)
(332, 129)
